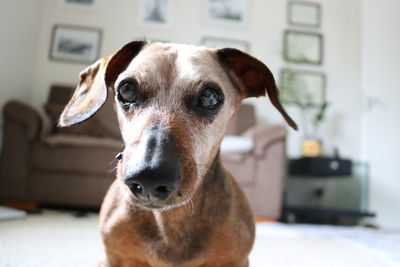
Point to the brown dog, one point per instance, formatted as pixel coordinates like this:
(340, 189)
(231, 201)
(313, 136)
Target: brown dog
(173, 203)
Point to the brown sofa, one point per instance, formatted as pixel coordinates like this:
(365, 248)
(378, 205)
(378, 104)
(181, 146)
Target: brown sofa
(57, 166)
(74, 166)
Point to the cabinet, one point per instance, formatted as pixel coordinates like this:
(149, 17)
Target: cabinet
(340, 199)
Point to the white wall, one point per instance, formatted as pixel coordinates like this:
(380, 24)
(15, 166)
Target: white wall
(118, 19)
(341, 30)
(267, 21)
(19, 27)
(381, 84)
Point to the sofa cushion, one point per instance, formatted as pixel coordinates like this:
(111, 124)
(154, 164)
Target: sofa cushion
(241, 166)
(88, 128)
(59, 140)
(106, 117)
(104, 123)
(63, 153)
(83, 190)
(236, 144)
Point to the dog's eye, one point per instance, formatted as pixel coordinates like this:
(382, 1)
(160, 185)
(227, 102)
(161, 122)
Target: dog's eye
(128, 93)
(209, 98)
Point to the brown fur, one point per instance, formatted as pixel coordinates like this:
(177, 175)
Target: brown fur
(207, 221)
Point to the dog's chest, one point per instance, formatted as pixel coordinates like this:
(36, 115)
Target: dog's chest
(174, 243)
(145, 240)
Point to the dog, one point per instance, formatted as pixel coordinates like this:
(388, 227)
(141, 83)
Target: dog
(173, 203)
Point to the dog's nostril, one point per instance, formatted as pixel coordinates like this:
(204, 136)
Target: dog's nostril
(137, 188)
(162, 192)
(162, 189)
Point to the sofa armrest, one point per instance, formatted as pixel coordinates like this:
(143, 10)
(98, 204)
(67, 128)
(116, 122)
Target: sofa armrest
(23, 125)
(264, 135)
(24, 114)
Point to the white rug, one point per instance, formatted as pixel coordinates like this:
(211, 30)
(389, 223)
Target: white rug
(9, 213)
(56, 239)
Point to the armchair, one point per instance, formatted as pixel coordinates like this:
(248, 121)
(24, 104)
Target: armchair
(260, 171)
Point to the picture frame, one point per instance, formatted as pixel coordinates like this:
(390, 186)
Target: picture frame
(213, 42)
(302, 87)
(226, 12)
(306, 14)
(155, 13)
(75, 44)
(303, 47)
(78, 3)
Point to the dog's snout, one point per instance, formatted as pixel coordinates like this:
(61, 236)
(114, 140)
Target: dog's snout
(153, 184)
(154, 171)
(148, 192)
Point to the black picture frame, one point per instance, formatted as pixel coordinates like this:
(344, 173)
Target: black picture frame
(291, 18)
(316, 94)
(304, 54)
(226, 13)
(79, 2)
(65, 45)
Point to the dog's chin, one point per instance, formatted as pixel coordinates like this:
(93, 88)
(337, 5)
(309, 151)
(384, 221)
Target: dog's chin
(158, 205)
(151, 205)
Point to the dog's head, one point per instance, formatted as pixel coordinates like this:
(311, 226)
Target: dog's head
(173, 104)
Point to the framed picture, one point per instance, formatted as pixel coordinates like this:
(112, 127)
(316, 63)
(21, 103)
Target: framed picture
(75, 44)
(78, 3)
(223, 43)
(304, 14)
(225, 12)
(155, 12)
(306, 88)
(303, 47)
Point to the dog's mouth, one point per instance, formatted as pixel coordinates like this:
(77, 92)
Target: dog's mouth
(154, 205)
(151, 205)
(175, 199)
(159, 205)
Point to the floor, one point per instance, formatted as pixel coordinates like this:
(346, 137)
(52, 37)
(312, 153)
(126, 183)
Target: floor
(50, 239)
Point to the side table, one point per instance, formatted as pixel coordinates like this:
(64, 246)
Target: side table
(341, 199)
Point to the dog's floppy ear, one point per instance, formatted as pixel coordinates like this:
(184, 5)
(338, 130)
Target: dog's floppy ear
(255, 77)
(91, 92)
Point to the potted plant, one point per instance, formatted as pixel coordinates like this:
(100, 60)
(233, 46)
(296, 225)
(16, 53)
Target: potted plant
(295, 91)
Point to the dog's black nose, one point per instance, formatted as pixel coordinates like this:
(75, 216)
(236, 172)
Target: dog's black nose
(153, 184)
(153, 171)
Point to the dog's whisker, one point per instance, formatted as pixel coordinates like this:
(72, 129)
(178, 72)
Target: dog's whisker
(112, 169)
(112, 161)
(192, 205)
(111, 172)
(189, 203)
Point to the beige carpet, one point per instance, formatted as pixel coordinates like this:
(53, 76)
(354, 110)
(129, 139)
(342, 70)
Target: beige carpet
(56, 239)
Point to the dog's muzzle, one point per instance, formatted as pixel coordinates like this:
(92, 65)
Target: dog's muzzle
(152, 171)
